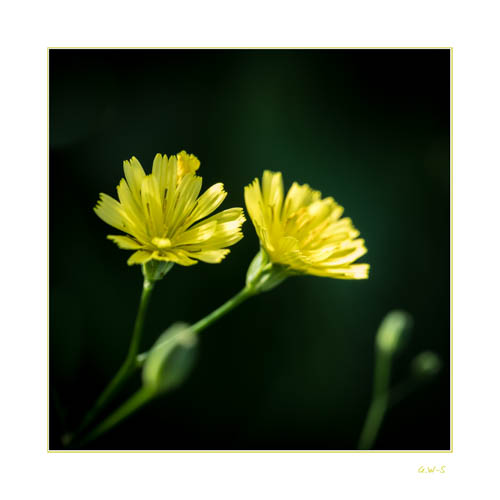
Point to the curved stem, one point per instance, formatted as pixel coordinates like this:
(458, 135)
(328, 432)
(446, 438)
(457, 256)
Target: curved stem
(140, 398)
(211, 318)
(139, 321)
(373, 422)
(223, 310)
(129, 365)
(379, 402)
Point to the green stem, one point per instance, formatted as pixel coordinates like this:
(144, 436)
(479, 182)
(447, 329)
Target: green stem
(382, 373)
(379, 402)
(129, 365)
(221, 311)
(208, 320)
(373, 422)
(140, 398)
(144, 395)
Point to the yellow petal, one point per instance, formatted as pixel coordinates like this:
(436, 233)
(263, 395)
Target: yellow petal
(178, 256)
(134, 173)
(125, 242)
(299, 196)
(186, 164)
(139, 257)
(217, 242)
(230, 214)
(187, 192)
(160, 174)
(171, 184)
(210, 256)
(152, 205)
(272, 188)
(216, 232)
(137, 219)
(208, 202)
(347, 256)
(111, 212)
(354, 272)
(198, 234)
(253, 201)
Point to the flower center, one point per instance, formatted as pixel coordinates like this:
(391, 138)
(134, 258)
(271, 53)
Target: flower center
(162, 242)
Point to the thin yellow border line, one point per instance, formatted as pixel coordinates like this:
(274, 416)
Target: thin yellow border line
(451, 250)
(247, 48)
(451, 256)
(249, 451)
(48, 240)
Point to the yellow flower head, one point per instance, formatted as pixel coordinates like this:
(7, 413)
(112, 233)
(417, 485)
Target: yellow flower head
(162, 213)
(303, 232)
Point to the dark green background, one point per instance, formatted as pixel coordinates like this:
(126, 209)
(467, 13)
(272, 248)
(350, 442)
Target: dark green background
(291, 369)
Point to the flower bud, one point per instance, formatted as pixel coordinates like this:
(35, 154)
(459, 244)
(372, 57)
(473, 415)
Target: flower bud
(391, 331)
(426, 365)
(170, 359)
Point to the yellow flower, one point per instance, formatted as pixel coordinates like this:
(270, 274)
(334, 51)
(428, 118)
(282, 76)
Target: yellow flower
(303, 232)
(162, 213)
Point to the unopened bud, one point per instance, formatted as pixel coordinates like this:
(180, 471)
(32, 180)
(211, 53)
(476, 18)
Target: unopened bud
(391, 331)
(426, 364)
(170, 359)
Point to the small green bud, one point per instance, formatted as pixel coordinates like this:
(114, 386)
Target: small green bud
(171, 358)
(391, 331)
(155, 270)
(426, 365)
(263, 275)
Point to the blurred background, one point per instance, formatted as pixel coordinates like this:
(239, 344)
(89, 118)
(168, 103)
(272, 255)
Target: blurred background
(293, 368)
